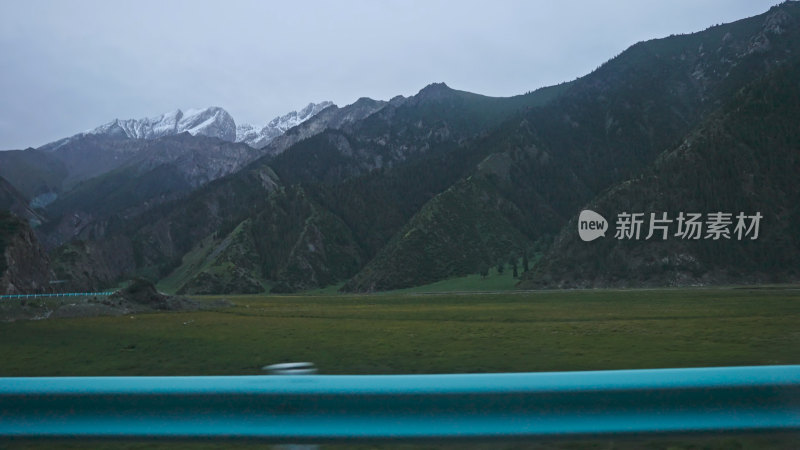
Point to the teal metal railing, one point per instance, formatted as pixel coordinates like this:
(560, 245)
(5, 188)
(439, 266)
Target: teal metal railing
(346, 407)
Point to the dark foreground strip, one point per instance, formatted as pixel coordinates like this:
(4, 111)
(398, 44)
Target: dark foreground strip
(352, 407)
(63, 294)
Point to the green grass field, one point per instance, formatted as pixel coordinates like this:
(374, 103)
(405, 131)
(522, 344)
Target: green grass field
(493, 282)
(423, 333)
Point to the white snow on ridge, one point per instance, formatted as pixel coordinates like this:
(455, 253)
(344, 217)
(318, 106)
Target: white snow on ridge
(213, 121)
(258, 137)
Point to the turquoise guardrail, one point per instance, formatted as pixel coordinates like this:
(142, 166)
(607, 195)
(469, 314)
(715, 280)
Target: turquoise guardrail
(344, 407)
(63, 294)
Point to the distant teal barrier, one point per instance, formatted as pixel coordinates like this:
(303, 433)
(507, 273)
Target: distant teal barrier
(63, 294)
(346, 407)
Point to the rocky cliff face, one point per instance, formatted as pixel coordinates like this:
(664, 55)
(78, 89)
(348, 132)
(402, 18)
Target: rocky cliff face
(24, 265)
(93, 265)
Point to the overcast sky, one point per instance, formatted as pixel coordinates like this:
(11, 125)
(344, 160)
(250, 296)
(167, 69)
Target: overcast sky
(68, 66)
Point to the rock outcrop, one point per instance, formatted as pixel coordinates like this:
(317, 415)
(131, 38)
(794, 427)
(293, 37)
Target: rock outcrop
(24, 265)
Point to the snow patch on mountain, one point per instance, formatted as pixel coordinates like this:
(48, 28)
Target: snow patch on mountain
(258, 137)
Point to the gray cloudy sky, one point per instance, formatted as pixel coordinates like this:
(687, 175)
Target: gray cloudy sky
(68, 66)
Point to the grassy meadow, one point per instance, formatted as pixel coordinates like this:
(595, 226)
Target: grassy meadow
(422, 333)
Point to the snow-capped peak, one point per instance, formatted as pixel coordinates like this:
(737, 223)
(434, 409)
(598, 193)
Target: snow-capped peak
(258, 137)
(213, 121)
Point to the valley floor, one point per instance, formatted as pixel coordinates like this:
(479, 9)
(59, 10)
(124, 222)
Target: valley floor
(422, 333)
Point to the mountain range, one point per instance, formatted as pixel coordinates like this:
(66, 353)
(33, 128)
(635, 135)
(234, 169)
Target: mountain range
(380, 195)
(126, 166)
(258, 137)
(212, 122)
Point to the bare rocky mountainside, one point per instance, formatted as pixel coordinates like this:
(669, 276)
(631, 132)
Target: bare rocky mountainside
(380, 195)
(24, 265)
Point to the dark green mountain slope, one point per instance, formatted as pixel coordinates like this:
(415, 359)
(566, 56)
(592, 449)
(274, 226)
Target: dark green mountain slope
(471, 223)
(144, 173)
(32, 172)
(435, 121)
(15, 202)
(154, 242)
(216, 265)
(288, 242)
(376, 177)
(121, 189)
(605, 127)
(303, 237)
(377, 204)
(237, 234)
(439, 113)
(745, 158)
